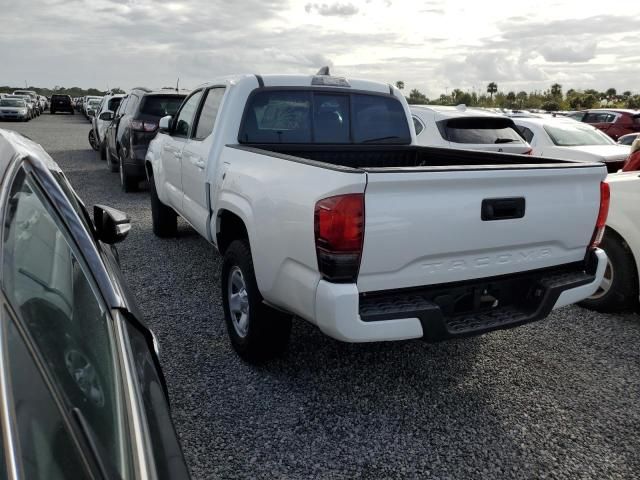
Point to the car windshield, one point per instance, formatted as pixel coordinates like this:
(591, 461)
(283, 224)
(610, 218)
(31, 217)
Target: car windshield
(570, 135)
(94, 103)
(286, 116)
(161, 105)
(9, 102)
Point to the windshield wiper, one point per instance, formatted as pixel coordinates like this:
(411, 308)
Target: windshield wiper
(505, 140)
(391, 137)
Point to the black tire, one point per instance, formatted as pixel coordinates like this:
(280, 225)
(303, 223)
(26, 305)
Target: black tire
(53, 112)
(622, 292)
(128, 183)
(111, 165)
(72, 112)
(267, 330)
(163, 218)
(103, 151)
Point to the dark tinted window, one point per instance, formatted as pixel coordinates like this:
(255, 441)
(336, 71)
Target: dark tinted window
(331, 119)
(161, 105)
(209, 112)
(378, 119)
(526, 133)
(114, 103)
(305, 117)
(47, 450)
(599, 117)
(479, 130)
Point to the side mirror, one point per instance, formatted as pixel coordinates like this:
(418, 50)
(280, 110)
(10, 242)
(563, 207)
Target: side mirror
(165, 123)
(112, 226)
(107, 116)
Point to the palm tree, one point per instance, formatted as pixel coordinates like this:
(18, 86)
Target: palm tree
(556, 90)
(492, 88)
(400, 85)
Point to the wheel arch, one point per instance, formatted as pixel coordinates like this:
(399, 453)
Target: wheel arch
(611, 231)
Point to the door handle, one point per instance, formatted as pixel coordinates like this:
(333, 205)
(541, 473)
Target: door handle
(502, 208)
(198, 162)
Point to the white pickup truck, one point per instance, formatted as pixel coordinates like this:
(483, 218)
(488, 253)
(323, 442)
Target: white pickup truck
(314, 191)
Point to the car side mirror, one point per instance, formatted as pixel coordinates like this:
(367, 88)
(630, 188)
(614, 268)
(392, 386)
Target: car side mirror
(107, 116)
(165, 123)
(112, 226)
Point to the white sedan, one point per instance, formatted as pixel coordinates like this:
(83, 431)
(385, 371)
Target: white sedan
(619, 289)
(570, 140)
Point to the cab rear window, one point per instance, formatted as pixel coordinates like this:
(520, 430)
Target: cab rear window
(314, 116)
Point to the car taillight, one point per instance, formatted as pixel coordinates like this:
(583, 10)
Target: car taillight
(143, 126)
(529, 152)
(601, 221)
(339, 235)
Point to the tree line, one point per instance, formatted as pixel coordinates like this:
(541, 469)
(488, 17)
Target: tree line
(552, 99)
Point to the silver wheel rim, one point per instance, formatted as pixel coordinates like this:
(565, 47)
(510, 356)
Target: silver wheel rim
(607, 282)
(238, 299)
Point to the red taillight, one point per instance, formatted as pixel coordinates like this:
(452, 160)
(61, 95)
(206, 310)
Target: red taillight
(601, 221)
(529, 152)
(143, 126)
(339, 234)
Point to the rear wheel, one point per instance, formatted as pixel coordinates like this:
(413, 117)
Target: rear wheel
(164, 219)
(92, 140)
(619, 288)
(257, 331)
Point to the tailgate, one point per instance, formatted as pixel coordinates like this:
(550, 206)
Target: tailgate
(426, 227)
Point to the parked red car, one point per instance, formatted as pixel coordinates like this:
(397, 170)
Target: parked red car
(612, 121)
(633, 162)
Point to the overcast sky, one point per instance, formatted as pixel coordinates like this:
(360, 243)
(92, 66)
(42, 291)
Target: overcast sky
(432, 45)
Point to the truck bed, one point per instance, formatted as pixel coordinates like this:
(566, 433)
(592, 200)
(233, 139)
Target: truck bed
(390, 157)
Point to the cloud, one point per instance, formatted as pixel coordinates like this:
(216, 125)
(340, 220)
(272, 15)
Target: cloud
(100, 43)
(332, 9)
(570, 53)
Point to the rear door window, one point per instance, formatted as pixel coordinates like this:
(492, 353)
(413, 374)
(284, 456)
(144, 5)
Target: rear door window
(209, 113)
(304, 116)
(161, 105)
(184, 122)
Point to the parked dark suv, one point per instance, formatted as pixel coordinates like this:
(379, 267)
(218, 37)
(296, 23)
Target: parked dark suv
(615, 122)
(133, 126)
(61, 103)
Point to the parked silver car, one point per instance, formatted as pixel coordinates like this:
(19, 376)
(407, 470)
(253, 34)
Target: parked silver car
(14, 109)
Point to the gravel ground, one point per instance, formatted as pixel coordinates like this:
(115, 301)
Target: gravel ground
(557, 399)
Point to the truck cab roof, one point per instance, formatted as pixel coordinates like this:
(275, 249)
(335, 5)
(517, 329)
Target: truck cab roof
(297, 80)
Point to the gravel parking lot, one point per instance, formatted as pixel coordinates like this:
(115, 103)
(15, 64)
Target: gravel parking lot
(556, 399)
